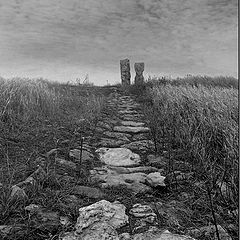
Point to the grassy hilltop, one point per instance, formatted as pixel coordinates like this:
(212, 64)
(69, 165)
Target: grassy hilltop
(194, 119)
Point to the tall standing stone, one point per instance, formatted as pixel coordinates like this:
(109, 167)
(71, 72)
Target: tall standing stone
(125, 71)
(139, 68)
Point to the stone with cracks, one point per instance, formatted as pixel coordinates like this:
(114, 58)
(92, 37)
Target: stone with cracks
(120, 136)
(139, 210)
(106, 142)
(139, 68)
(103, 211)
(118, 157)
(155, 179)
(132, 123)
(128, 129)
(110, 178)
(142, 146)
(125, 72)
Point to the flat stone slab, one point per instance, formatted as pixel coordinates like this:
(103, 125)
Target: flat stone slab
(117, 135)
(155, 179)
(106, 142)
(142, 146)
(132, 123)
(110, 178)
(127, 129)
(118, 157)
(103, 211)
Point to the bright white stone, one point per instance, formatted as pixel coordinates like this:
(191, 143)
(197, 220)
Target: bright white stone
(118, 156)
(103, 211)
(155, 179)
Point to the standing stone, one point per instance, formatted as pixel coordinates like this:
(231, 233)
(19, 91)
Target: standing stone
(139, 68)
(125, 71)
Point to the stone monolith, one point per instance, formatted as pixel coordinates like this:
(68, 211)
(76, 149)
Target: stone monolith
(139, 68)
(125, 71)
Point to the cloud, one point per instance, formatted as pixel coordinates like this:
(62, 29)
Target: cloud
(173, 36)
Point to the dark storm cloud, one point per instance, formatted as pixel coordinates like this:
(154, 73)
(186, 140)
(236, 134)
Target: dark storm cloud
(64, 39)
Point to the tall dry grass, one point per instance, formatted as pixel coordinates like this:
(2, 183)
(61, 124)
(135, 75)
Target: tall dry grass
(203, 122)
(23, 99)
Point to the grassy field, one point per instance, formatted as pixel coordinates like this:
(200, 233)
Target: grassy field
(37, 117)
(195, 120)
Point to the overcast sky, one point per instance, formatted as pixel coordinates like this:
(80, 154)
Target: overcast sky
(65, 39)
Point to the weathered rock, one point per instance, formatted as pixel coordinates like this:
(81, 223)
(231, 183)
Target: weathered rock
(155, 234)
(100, 231)
(119, 136)
(139, 68)
(97, 231)
(132, 123)
(106, 142)
(141, 146)
(139, 210)
(118, 156)
(103, 211)
(90, 192)
(210, 232)
(18, 193)
(66, 164)
(127, 111)
(126, 129)
(155, 179)
(125, 72)
(110, 178)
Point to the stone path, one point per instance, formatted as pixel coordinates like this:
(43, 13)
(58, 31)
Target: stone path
(122, 148)
(125, 163)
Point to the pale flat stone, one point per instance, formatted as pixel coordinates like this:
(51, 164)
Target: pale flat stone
(100, 231)
(126, 129)
(119, 136)
(155, 179)
(118, 156)
(103, 211)
(139, 210)
(132, 123)
(110, 178)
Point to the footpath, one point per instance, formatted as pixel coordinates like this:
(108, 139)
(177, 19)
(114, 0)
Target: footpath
(127, 165)
(118, 187)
